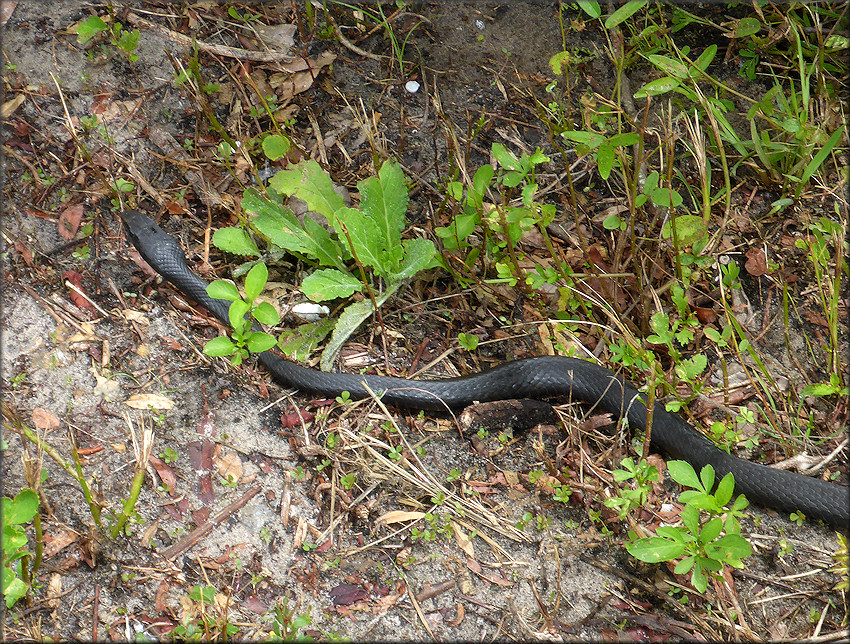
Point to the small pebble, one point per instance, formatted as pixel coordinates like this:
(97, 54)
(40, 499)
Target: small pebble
(412, 86)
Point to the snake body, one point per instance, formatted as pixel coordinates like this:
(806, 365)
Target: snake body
(541, 377)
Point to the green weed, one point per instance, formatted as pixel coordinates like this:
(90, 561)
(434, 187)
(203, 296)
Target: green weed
(705, 545)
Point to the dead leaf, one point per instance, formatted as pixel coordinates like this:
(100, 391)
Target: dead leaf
(54, 544)
(397, 516)
(44, 420)
(77, 280)
(462, 540)
(11, 105)
(229, 466)
(69, 221)
(756, 263)
(144, 401)
(132, 315)
(166, 474)
(54, 590)
(25, 253)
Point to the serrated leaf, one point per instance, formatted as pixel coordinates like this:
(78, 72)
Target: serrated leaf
(306, 180)
(655, 549)
(366, 239)
(297, 344)
(329, 284)
(419, 255)
(276, 222)
(384, 198)
(223, 290)
(89, 28)
(689, 229)
(255, 281)
(236, 241)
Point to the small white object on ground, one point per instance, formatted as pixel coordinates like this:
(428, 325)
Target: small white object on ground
(412, 86)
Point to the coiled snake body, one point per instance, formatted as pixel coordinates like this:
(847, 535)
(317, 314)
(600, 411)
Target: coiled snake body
(542, 377)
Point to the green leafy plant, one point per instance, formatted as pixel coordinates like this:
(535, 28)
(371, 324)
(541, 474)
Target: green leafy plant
(502, 225)
(286, 625)
(244, 339)
(123, 40)
(18, 564)
(630, 498)
(704, 545)
(369, 237)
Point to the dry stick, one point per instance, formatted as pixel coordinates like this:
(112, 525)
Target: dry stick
(199, 533)
(219, 50)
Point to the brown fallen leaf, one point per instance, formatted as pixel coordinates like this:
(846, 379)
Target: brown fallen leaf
(69, 221)
(143, 401)
(43, 419)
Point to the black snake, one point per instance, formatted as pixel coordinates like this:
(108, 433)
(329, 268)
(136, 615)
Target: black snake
(542, 377)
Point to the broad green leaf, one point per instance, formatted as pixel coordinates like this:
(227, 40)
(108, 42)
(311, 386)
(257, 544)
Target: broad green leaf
(703, 61)
(236, 313)
(298, 344)
(22, 509)
(419, 255)
(590, 7)
(258, 342)
(732, 546)
(683, 473)
(349, 321)
(605, 158)
(265, 313)
(367, 239)
(685, 565)
(689, 229)
(657, 87)
(672, 533)
(89, 28)
(590, 139)
(329, 284)
(725, 489)
(223, 290)
(255, 281)
(655, 549)
(505, 157)
(624, 13)
(306, 180)
(699, 580)
(711, 530)
(277, 223)
(690, 519)
(624, 140)
(669, 66)
(323, 247)
(13, 587)
(747, 27)
(276, 146)
(220, 346)
(384, 198)
(706, 475)
(480, 183)
(667, 198)
(236, 241)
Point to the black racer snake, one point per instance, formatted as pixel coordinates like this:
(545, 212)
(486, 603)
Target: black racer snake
(541, 377)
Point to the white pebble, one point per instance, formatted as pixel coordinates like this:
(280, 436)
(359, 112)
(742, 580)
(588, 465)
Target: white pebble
(412, 86)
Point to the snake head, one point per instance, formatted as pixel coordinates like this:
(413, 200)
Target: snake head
(153, 243)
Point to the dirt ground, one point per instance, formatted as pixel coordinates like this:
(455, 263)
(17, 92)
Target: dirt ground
(284, 525)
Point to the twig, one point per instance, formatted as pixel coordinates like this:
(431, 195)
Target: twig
(199, 533)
